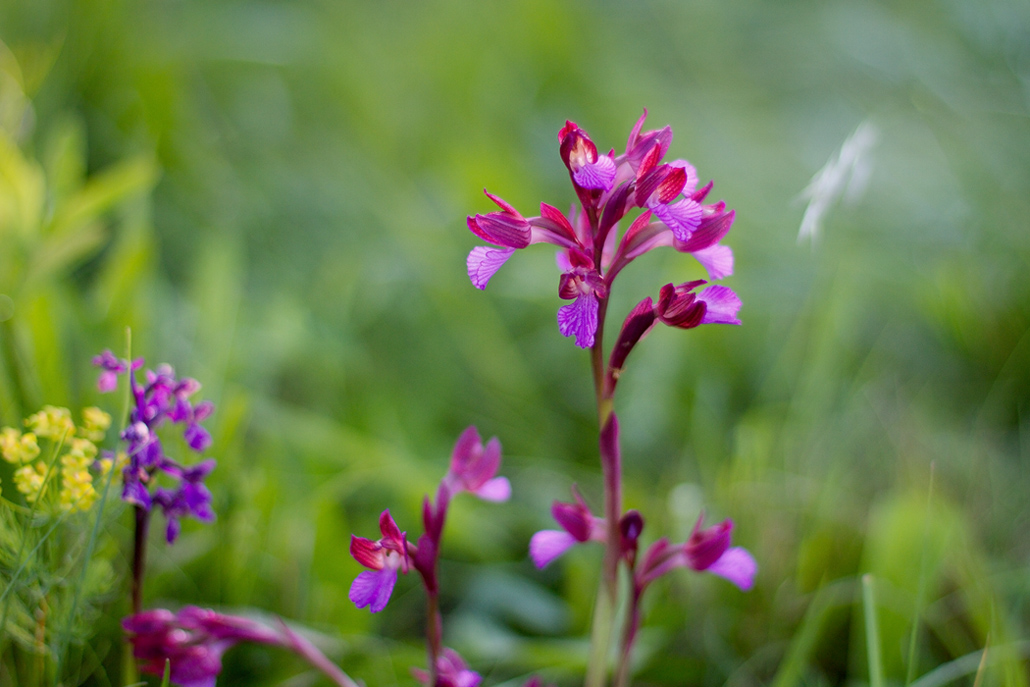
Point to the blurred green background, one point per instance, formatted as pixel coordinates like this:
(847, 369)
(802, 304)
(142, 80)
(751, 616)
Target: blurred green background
(272, 195)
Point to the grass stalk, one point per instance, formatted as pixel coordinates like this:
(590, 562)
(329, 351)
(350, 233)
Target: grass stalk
(872, 632)
(910, 671)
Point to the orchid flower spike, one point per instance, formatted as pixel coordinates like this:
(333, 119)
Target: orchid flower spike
(591, 254)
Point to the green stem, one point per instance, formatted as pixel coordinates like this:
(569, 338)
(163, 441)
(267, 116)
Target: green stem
(601, 637)
(630, 636)
(607, 593)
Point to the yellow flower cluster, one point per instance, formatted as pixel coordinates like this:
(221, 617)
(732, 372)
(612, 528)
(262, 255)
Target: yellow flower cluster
(16, 447)
(55, 424)
(52, 423)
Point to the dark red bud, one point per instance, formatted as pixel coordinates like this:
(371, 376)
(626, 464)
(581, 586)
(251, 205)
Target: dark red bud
(631, 525)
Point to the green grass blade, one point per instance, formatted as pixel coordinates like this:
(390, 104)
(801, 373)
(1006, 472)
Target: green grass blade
(828, 598)
(910, 671)
(872, 632)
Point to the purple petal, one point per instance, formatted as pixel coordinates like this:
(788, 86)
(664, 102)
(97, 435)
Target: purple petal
(501, 229)
(546, 545)
(722, 304)
(134, 492)
(716, 222)
(108, 381)
(172, 530)
(682, 217)
(736, 565)
(691, 173)
(496, 489)
(198, 472)
(580, 319)
(483, 262)
(197, 437)
(597, 175)
(717, 261)
(372, 588)
(575, 518)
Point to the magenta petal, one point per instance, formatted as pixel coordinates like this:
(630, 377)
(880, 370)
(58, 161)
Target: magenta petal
(372, 588)
(546, 545)
(717, 261)
(597, 175)
(736, 565)
(483, 262)
(722, 304)
(691, 173)
(682, 217)
(107, 382)
(580, 319)
(496, 489)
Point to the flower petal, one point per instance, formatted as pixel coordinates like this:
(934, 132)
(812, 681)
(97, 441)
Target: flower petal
(197, 437)
(496, 489)
(691, 175)
(372, 588)
(579, 318)
(717, 261)
(483, 262)
(682, 217)
(715, 224)
(722, 304)
(736, 565)
(546, 545)
(596, 175)
(367, 552)
(706, 546)
(501, 229)
(107, 382)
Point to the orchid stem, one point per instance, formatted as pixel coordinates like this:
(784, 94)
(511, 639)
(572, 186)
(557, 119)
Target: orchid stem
(630, 636)
(139, 556)
(607, 594)
(434, 633)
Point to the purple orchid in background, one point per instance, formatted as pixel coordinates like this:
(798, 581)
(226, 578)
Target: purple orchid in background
(194, 640)
(608, 187)
(384, 557)
(578, 525)
(707, 550)
(473, 468)
(162, 399)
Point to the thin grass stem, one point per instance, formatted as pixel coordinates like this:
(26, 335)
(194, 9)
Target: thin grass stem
(872, 632)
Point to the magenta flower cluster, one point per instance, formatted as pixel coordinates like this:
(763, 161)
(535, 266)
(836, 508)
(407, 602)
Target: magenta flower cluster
(591, 254)
(162, 399)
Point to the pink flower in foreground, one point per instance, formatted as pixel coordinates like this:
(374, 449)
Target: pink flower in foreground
(707, 550)
(578, 525)
(385, 557)
(194, 640)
